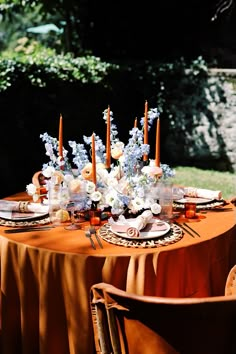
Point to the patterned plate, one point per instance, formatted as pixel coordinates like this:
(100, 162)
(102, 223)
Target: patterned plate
(174, 235)
(12, 223)
(208, 205)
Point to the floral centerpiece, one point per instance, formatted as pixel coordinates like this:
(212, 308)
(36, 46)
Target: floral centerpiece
(129, 184)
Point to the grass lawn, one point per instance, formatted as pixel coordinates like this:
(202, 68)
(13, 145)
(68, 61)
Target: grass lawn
(207, 179)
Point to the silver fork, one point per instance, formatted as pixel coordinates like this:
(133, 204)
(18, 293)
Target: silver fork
(94, 232)
(88, 234)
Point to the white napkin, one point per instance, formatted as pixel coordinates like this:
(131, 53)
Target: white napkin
(22, 207)
(132, 227)
(202, 193)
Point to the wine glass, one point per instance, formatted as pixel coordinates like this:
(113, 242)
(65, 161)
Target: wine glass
(77, 201)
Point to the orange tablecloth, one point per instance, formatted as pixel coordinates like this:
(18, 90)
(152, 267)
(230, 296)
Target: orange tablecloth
(46, 277)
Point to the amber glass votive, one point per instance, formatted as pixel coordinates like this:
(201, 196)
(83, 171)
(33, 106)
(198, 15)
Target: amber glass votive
(95, 217)
(190, 210)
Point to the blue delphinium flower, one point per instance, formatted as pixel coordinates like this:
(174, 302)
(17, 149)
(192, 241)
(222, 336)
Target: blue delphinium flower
(80, 158)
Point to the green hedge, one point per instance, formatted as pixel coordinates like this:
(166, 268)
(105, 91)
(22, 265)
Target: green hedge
(38, 67)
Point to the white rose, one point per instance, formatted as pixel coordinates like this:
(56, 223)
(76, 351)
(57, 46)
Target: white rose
(155, 208)
(31, 189)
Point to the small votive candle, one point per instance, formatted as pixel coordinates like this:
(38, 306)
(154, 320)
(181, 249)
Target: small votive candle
(190, 210)
(95, 217)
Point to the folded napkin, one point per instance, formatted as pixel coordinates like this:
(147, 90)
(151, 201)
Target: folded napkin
(22, 207)
(132, 227)
(202, 193)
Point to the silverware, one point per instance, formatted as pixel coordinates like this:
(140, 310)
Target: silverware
(88, 234)
(94, 232)
(28, 229)
(196, 233)
(184, 228)
(216, 209)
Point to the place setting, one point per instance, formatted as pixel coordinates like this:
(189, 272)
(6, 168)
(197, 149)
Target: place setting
(204, 199)
(143, 231)
(23, 214)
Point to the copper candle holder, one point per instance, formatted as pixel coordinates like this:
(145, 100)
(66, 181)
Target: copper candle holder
(190, 210)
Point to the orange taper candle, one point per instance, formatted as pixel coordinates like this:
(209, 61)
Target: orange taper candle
(157, 155)
(135, 123)
(94, 173)
(108, 141)
(145, 129)
(60, 140)
(60, 137)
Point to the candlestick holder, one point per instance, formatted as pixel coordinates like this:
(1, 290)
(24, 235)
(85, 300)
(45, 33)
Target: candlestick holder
(190, 210)
(95, 217)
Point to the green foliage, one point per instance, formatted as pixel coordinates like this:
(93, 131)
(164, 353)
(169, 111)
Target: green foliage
(181, 86)
(207, 179)
(38, 65)
(70, 16)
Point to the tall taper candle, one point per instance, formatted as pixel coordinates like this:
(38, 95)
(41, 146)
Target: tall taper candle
(60, 138)
(94, 173)
(108, 139)
(157, 155)
(145, 129)
(135, 123)
(60, 141)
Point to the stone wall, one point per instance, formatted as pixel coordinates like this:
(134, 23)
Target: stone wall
(209, 142)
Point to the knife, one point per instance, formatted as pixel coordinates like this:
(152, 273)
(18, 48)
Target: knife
(196, 233)
(184, 228)
(28, 229)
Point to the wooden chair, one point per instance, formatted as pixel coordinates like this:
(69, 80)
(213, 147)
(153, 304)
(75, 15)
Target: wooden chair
(126, 323)
(230, 286)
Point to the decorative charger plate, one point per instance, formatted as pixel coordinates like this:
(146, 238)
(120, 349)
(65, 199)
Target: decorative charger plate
(201, 203)
(10, 223)
(175, 234)
(144, 235)
(18, 216)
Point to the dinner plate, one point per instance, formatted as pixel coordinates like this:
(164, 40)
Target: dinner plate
(194, 200)
(16, 216)
(144, 235)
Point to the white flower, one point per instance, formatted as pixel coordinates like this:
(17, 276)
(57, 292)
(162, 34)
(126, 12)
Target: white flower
(96, 196)
(48, 172)
(90, 187)
(111, 197)
(31, 189)
(102, 174)
(155, 208)
(68, 178)
(136, 204)
(117, 150)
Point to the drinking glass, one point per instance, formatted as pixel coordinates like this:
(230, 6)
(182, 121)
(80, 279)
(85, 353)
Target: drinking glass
(166, 200)
(57, 201)
(190, 210)
(95, 217)
(77, 202)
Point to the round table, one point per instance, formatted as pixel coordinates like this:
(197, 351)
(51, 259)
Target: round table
(46, 277)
